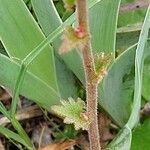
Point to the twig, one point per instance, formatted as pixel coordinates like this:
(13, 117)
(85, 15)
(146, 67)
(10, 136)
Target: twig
(89, 68)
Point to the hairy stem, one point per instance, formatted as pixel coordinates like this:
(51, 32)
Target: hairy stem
(89, 67)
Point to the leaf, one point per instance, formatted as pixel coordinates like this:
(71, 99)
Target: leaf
(140, 138)
(146, 77)
(60, 145)
(139, 60)
(49, 23)
(11, 135)
(122, 141)
(72, 111)
(51, 19)
(121, 74)
(31, 85)
(103, 25)
(123, 41)
(68, 133)
(131, 17)
(117, 87)
(20, 34)
(130, 13)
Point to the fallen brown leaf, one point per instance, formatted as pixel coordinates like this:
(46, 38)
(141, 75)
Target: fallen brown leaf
(60, 145)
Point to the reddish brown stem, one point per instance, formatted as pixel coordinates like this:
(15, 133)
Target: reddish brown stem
(89, 67)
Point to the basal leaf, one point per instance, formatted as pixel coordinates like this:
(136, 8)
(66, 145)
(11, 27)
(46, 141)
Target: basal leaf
(50, 22)
(31, 86)
(117, 87)
(20, 34)
(139, 61)
(13, 136)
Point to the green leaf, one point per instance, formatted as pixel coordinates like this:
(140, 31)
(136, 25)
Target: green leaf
(50, 22)
(31, 85)
(51, 19)
(103, 25)
(11, 135)
(123, 41)
(72, 111)
(131, 17)
(139, 60)
(122, 141)
(4, 111)
(117, 87)
(121, 74)
(20, 34)
(141, 138)
(129, 14)
(68, 133)
(146, 77)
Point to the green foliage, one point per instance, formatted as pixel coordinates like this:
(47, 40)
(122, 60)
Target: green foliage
(73, 112)
(9, 72)
(49, 23)
(134, 116)
(68, 133)
(27, 36)
(119, 82)
(140, 138)
(146, 77)
(50, 76)
(13, 136)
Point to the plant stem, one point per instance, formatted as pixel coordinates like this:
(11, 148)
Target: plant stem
(89, 68)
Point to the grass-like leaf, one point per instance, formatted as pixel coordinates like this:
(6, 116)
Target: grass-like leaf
(31, 85)
(20, 34)
(13, 136)
(49, 23)
(134, 117)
